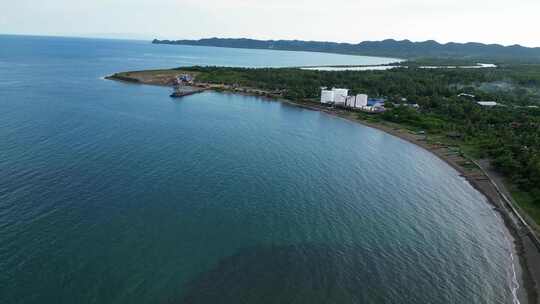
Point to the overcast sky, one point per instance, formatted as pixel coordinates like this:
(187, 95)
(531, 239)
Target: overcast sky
(490, 21)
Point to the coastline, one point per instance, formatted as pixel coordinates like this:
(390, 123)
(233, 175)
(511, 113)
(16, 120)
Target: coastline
(524, 242)
(479, 174)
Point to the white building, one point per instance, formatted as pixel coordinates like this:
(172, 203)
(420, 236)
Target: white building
(351, 100)
(466, 95)
(361, 100)
(327, 96)
(378, 105)
(487, 103)
(340, 96)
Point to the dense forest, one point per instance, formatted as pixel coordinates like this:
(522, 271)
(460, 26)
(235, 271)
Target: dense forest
(390, 48)
(509, 134)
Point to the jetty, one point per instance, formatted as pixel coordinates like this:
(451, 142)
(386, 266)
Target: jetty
(182, 92)
(183, 86)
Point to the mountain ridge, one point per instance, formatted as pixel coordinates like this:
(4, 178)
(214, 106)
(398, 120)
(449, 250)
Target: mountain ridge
(404, 49)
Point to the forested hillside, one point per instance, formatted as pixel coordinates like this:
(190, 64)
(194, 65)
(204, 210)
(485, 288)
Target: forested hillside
(390, 48)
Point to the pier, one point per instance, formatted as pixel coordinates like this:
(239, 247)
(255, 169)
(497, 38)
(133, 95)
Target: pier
(183, 86)
(178, 93)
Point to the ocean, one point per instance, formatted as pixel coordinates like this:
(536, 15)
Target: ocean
(116, 193)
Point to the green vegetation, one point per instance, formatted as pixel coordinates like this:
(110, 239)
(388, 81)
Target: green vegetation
(424, 86)
(389, 48)
(528, 203)
(508, 134)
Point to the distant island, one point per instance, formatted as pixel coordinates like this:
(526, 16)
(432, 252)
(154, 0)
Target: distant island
(405, 49)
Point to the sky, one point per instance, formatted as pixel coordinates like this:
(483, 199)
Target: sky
(488, 21)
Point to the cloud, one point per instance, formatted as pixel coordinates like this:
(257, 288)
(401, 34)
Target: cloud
(338, 20)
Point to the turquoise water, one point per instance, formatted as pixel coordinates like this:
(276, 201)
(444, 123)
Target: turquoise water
(114, 193)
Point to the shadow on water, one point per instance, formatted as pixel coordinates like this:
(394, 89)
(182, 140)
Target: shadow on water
(293, 274)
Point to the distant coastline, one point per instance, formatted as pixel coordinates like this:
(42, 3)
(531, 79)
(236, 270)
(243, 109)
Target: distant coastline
(385, 48)
(403, 64)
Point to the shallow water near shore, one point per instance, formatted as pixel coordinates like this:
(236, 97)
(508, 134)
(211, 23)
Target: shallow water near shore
(115, 193)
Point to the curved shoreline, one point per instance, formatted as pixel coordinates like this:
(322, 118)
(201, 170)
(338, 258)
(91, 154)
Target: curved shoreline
(525, 243)
(525, 240)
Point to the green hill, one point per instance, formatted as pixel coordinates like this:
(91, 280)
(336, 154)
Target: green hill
(389, 48)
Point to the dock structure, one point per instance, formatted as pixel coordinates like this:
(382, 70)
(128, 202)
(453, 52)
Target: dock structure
(183, 86)
(178, 94)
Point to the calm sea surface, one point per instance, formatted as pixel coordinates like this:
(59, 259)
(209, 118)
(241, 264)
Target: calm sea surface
(114, 193)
